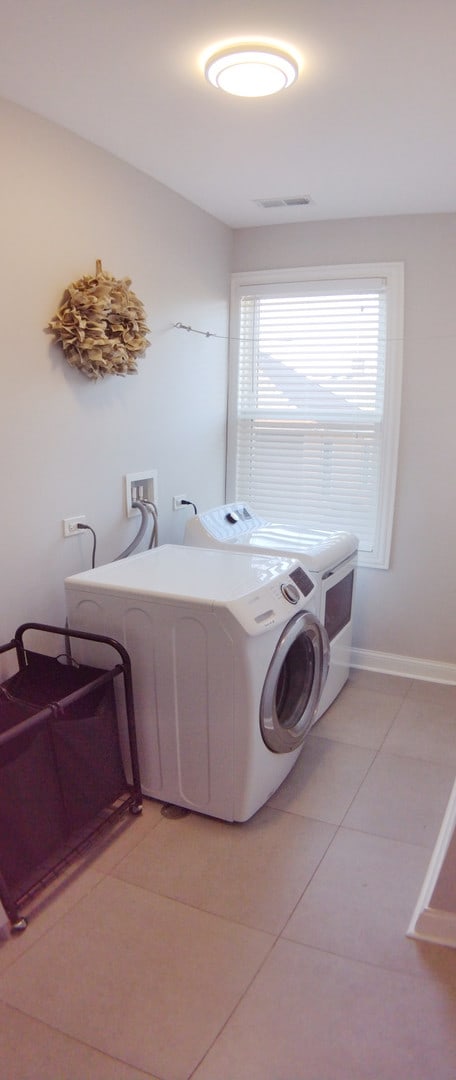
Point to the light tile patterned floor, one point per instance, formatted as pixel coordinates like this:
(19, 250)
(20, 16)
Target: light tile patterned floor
(272, 950)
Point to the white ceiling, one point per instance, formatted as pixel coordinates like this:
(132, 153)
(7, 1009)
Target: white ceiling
(367, 130)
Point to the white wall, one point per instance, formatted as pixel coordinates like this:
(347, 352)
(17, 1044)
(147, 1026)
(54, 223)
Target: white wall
(410, 609)
(66, 442)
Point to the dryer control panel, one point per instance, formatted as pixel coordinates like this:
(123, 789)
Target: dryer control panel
(226, 522)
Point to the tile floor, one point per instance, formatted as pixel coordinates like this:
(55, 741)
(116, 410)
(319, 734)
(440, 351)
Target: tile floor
(272, 950)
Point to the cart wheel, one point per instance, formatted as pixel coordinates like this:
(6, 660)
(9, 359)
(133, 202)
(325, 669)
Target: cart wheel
(136, 809)
(20, 925)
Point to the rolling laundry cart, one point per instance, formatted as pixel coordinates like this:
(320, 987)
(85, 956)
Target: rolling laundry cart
(62, 778)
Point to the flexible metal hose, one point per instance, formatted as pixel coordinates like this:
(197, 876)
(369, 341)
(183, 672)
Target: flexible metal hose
(139, 505)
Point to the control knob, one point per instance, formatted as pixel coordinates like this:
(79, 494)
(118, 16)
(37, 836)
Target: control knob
(290, 592)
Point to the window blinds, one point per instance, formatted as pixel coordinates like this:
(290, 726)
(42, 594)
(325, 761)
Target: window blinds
(310, 403)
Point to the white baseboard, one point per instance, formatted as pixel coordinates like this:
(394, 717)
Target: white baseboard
(4, 921)
(438, 927)
(409, 666)
(435, 924)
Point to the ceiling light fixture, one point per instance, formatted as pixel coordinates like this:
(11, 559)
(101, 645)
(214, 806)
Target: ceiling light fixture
(251, 69)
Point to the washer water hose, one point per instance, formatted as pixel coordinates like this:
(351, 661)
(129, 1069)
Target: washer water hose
(153, 542)
(145, 508)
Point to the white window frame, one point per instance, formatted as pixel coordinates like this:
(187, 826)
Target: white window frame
(393, 276)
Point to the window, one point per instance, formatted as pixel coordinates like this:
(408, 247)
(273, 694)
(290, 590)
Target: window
(315, 381)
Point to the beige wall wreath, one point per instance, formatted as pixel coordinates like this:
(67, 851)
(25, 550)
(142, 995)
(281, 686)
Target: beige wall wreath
(101, 325)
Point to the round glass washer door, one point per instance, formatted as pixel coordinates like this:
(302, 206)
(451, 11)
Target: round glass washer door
(294, 683)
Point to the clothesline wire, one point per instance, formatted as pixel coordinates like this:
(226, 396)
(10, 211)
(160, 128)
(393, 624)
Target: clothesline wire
(205, 333)
(228, 337)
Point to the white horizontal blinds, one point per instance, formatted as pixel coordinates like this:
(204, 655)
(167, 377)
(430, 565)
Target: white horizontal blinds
(310, 403)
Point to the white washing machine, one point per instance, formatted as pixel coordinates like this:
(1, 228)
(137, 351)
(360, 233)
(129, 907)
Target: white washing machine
(228, 661)
(330, 556)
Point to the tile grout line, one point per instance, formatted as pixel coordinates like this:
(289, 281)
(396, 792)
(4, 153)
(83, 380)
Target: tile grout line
(72, 1038)
(340, 825)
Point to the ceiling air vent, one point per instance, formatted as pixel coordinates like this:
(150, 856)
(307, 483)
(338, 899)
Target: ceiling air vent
(291, 200)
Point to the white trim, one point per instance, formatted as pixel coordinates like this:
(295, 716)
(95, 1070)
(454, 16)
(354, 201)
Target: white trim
(433, 924)
(411, 667)
(333, 272)
(4, 920)
(439, 927)
(392, 273)
(392, 416)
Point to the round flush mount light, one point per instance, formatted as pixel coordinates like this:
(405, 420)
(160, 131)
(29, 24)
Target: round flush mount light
(251, 69)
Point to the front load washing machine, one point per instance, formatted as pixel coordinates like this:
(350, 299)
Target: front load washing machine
(330, 557)
(228, 661)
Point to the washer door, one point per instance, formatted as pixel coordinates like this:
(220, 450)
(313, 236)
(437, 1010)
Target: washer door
(294, 683)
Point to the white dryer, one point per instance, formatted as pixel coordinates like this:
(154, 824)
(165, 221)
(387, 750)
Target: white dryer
(228, 661)
(330, 557)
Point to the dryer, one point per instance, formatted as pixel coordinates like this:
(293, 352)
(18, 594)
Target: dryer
(329, 556)
(228, 661)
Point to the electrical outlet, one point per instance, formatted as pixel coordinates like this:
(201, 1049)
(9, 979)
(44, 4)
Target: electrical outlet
(140, 485)
(70, 525)
(179, 501)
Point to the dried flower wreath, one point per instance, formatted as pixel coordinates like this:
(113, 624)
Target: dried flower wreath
(101, 325)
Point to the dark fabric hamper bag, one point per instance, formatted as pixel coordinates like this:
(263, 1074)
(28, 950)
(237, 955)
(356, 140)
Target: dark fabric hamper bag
(31, 821)
(61, 771)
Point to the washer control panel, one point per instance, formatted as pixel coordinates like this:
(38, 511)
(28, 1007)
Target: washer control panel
(270, 605)
(303, 581)
(291, 593)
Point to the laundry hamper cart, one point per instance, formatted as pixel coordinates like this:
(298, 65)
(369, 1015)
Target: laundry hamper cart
(62, 777)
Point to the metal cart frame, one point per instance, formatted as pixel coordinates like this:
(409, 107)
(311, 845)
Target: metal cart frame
(41, 719)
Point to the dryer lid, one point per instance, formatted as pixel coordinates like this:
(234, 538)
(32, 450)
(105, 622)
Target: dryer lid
(236, 526)
(318, 551)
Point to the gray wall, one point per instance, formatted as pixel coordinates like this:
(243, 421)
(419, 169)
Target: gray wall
(66, 442)
(410, 609)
